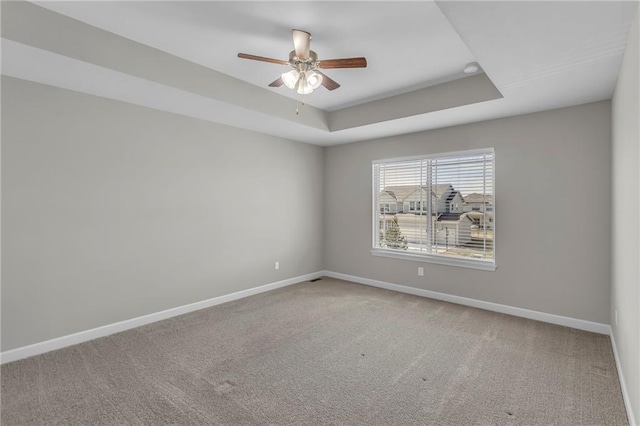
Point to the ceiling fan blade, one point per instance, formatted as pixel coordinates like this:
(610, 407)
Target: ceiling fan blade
(301, 43)
(277, 83)
(343, 63)
(327, 82)
(262, 58)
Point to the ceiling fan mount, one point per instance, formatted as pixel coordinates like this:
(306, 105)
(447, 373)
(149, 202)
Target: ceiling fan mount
(312, 59)
(305, 75)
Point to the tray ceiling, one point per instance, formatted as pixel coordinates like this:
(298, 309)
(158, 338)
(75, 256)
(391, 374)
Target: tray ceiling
(180, 56)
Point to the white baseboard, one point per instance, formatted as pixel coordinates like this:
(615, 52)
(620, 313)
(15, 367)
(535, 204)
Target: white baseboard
(105, 330)
(83, 336)
(489, 306)
(623, 385)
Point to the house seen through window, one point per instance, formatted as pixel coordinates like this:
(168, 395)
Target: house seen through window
(436, 208)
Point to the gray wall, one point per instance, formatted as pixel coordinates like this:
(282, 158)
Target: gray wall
(625, 283)
(111, 211)
(551, 256)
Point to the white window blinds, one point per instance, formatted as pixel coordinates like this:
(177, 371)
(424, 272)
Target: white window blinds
(437, 207)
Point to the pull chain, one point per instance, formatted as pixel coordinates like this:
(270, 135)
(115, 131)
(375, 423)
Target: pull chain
(302, 104)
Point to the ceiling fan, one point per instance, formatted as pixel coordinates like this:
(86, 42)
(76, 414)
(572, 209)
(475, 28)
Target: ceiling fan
(305, 75)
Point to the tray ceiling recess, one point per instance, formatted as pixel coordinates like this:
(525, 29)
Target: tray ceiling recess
(181, 57)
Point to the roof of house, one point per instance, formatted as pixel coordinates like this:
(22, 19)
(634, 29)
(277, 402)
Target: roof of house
(453, 217)
(400, 192)
(449, 217)
(478, 198)
(441, 188)
(476, 214)
(389, 193)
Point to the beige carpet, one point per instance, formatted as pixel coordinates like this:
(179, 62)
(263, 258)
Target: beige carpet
(328, 352)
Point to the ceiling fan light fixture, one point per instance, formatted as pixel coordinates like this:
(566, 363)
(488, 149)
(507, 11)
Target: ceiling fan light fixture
(314, 79)
(290, 78)
(304, 88)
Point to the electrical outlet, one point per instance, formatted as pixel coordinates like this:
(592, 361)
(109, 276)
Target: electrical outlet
(616, 315)
(420, 271)
(277, 265)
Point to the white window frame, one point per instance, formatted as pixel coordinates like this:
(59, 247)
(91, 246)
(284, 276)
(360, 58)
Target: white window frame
(482, 264)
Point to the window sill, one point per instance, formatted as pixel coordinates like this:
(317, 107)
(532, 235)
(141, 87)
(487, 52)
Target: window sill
(440, 260)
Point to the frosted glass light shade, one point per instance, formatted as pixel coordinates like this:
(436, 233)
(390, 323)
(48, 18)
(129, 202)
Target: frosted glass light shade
(314, 79)
(290, 78)
(304, 88)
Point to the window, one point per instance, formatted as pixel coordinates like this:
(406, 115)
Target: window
(444, 233)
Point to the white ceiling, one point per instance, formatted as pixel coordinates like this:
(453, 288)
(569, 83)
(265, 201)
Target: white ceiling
(540, 55)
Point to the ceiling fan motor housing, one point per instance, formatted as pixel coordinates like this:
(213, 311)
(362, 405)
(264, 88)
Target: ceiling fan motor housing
(303, 64)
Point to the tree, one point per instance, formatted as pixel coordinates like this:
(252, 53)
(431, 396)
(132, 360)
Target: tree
(393, 237)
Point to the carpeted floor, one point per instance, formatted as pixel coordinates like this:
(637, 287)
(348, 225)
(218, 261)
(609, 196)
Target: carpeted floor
(328, 352)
